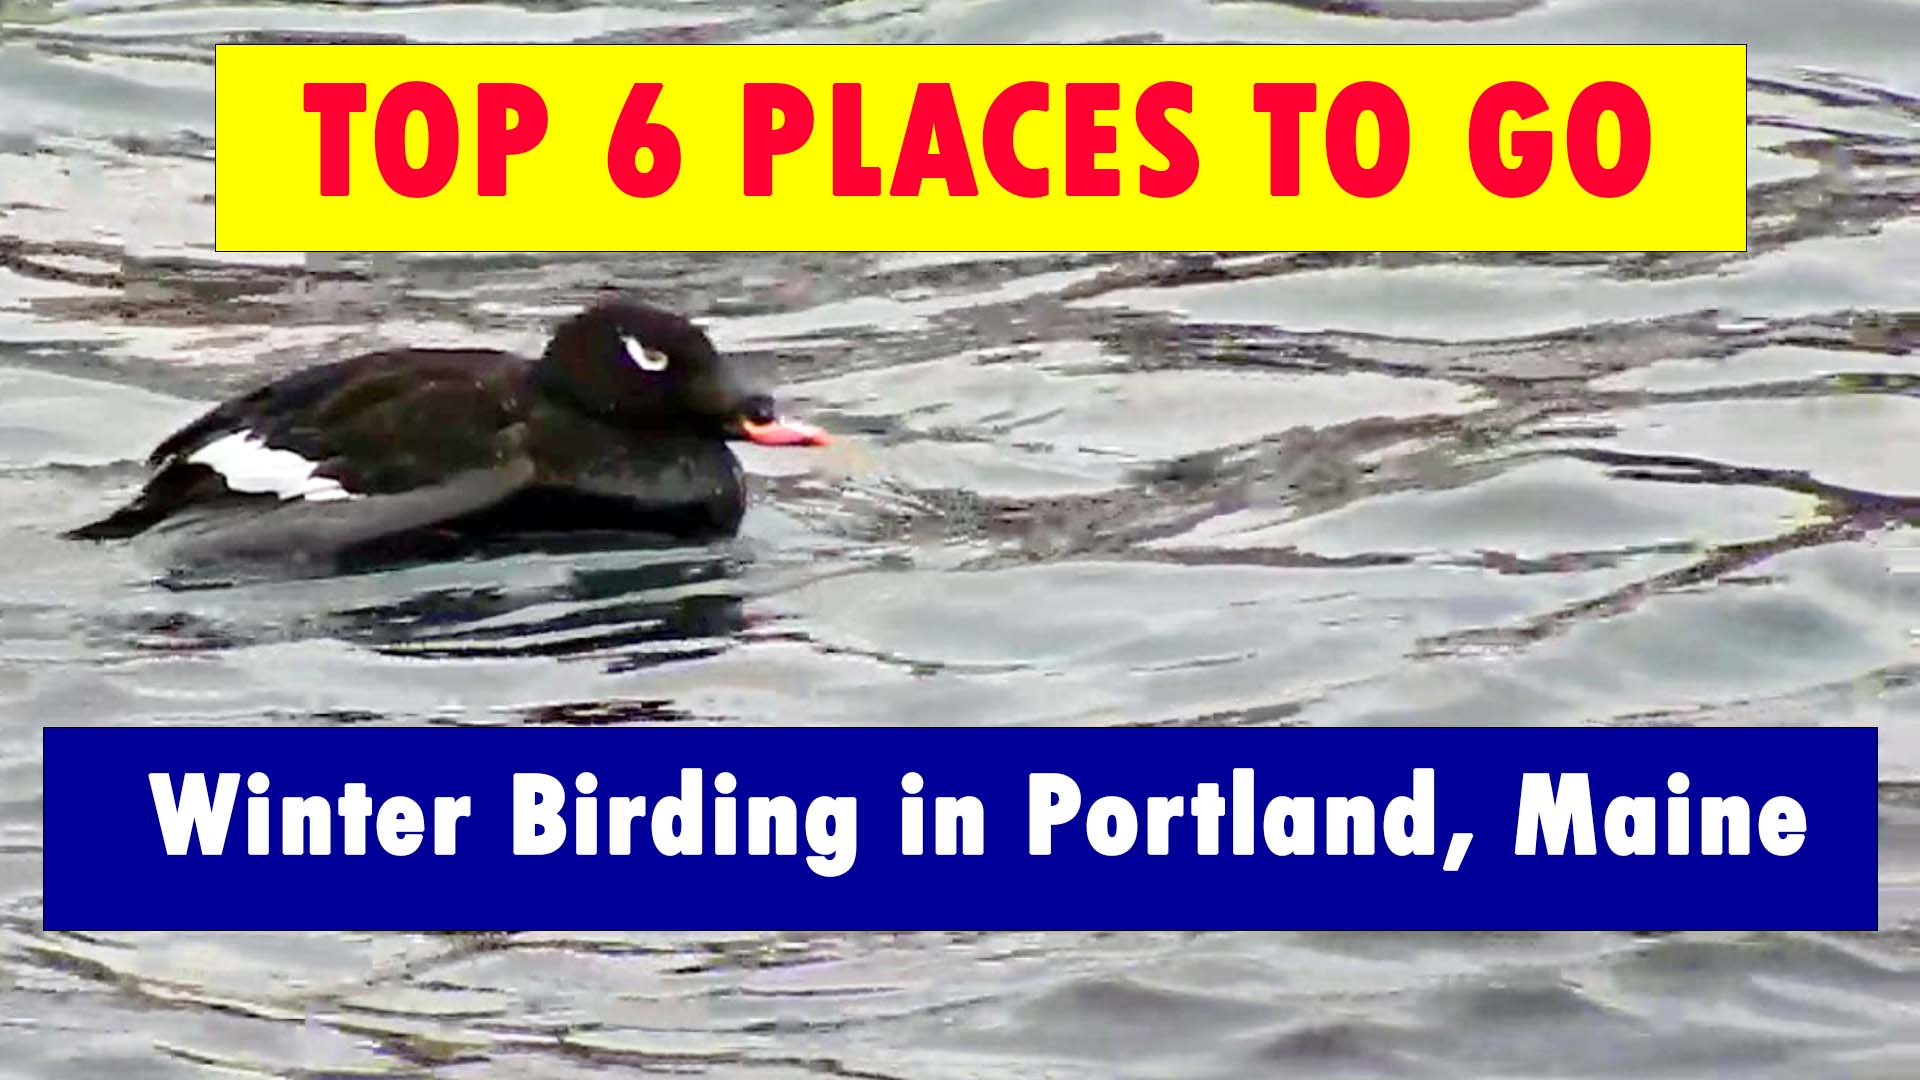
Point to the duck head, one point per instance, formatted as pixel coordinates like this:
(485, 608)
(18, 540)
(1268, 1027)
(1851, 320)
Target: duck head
(653, 371)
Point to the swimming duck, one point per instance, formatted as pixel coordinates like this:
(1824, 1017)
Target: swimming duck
(621, 424)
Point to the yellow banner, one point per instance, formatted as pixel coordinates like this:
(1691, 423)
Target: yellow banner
(974, 147)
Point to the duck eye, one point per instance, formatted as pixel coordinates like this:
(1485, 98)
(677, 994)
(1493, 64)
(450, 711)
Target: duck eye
(644, 358)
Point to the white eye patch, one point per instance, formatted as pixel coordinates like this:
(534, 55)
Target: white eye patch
(644, 358)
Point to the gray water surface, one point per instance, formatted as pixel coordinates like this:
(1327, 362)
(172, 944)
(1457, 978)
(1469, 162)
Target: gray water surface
(1070, 489)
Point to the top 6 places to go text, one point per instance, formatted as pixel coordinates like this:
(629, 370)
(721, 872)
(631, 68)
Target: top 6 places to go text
(981, 147)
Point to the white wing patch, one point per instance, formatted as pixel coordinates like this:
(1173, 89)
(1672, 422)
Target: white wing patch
(248, 464)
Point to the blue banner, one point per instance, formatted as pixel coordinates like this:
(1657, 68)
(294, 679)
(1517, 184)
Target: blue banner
(950, 828)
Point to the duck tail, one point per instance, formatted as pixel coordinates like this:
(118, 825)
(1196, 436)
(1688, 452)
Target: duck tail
(131, 520)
